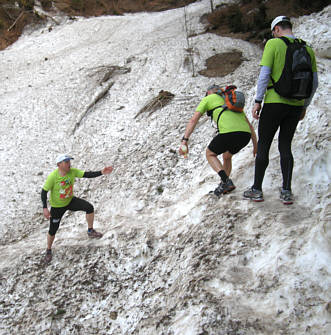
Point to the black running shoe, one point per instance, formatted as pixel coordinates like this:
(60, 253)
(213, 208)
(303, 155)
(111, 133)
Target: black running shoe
(253, 194)
(286, 196)
(94, 234)
(48, 256)
(224, 188)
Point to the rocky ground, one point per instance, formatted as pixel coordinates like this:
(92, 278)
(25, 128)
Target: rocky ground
(173, 260)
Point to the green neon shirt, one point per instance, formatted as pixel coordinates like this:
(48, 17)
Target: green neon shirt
(274, 57)
(229, 121)
(62, 188)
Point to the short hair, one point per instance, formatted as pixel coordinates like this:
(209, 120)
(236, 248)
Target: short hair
(213, 87)
(284, 25)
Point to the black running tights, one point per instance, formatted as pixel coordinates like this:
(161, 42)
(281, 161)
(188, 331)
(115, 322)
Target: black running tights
(274, 116)
(76, 204)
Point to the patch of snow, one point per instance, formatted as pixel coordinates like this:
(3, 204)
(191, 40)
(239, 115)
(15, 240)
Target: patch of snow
(173, 259)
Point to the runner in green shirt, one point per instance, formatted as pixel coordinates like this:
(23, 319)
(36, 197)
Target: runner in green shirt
(278, 112)
(60, 183)
(234, 133)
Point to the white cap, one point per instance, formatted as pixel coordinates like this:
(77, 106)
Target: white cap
(279, 19)
(63, 157)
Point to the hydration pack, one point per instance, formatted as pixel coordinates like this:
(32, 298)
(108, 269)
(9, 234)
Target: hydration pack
(234, 101)
(296, 79)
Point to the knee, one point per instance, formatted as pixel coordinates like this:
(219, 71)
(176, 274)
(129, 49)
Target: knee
(262, 160)
(286, 156)
(54, 226)
(284, 150)
(262, 155)
(227, 156)
(89, 209)
(210, 153)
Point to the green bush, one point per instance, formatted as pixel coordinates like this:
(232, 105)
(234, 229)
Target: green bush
(77, 4)
(46, 4)
(316, 4)
(26, 4)
(234, 18)
(260, 20)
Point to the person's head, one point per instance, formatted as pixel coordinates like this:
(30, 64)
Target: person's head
(280, 26)
(63, 162)
(212, 89)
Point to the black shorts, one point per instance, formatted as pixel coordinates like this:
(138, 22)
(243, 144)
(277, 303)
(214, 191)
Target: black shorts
(232, 142)
(76, 204)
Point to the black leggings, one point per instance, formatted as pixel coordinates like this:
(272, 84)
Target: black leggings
(274, 116)
(76, 204)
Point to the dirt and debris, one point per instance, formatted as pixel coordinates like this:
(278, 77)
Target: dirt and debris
(106, 72)
(161, 100)
(250, 20)
(222, 64)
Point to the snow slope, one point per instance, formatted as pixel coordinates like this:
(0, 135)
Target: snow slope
(173, 260)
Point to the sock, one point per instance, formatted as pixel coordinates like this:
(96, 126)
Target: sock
(223, 176)
(89, 229)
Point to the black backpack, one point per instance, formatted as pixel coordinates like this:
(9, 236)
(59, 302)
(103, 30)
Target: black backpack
(296, 79)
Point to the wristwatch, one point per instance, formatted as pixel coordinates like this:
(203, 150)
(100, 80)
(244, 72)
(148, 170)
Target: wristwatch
(258, 101)
(184, 139)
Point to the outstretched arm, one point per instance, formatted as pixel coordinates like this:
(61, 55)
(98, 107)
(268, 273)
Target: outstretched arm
(94, 174)
(189, 130)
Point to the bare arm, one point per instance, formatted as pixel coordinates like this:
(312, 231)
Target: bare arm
(191, 124)
(189, 129)
(254, 138)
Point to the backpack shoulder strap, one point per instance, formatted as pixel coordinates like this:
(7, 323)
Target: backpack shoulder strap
(225, 107)
(297, 40)
(285, 40)
(300, 41)
(210, 112)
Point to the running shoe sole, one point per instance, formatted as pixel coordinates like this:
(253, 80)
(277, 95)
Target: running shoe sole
(95, 236)
(287, 202)
(254, 199)
(48, 258)
(224, 192)
(230, 189)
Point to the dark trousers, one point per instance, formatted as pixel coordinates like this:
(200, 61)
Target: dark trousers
(76, 204)
(274, 116)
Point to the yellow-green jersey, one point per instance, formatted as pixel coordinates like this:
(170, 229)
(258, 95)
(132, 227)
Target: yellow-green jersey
(62, 188)
(229, 121)
(274, 57)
